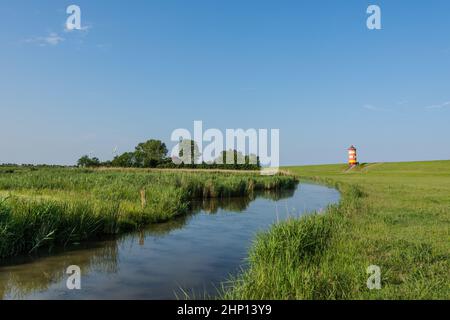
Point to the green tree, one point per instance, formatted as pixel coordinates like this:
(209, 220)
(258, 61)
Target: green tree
(150, 153)
(85, 161)
(189, 152)
(238, 160)
(125, 160)
(233, 156)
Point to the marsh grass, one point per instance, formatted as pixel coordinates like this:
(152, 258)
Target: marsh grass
(394, 215)
(57, 206)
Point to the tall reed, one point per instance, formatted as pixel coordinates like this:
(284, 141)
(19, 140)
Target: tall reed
(57, 206)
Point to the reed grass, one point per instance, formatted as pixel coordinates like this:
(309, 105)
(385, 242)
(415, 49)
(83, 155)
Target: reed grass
(45, 207)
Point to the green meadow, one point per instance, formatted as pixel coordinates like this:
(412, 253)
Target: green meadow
(392, 215)
(48, 206)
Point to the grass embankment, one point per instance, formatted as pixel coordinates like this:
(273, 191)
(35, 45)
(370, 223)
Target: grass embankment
(393, 215)
(54, 206)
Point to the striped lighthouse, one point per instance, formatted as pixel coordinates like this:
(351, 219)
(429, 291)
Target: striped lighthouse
(352, 160)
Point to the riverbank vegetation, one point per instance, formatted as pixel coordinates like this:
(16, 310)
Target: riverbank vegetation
(392, 215)
(44, 206)
(154, 154)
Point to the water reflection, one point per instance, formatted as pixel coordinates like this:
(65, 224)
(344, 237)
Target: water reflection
(194, 251)
(102, 256)
(213, 205)
(18, 280)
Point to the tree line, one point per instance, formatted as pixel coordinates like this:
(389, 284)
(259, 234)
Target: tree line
(154, 154)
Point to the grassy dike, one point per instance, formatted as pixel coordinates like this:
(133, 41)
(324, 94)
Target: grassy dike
(44, 207)
(393, 215)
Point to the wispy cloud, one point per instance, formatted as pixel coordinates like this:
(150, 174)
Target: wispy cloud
(439, 106)
(54, 39)
(373, 108)
(84, 28)
(51, 39)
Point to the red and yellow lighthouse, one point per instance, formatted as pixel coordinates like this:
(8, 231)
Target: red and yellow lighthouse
(352, 160)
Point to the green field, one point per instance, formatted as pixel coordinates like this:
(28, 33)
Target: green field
(44, 207)
(393, 215)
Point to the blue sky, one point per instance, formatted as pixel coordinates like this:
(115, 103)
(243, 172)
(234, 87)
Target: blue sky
(141, 69)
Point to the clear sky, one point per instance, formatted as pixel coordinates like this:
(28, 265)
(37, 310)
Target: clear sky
(140, 69)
